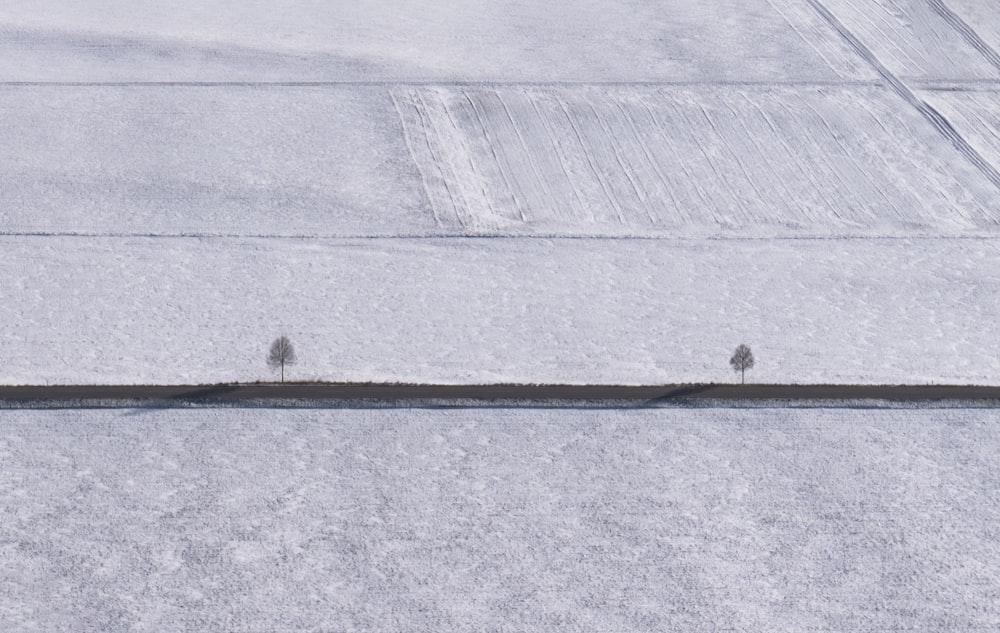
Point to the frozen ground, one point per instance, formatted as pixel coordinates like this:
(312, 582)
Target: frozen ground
(480, 520)
(351, 161)
(481, 40)
(692, 160)
(181, 310)
(924, 39)
(976, 114)
(174, 192)
(244, 160)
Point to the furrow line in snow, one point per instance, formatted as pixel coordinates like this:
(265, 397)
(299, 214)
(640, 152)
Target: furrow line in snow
(422, 165)
(528, 154)
(792, 25)
(846, 206)
(734, 197)
(665, 141)
(966, 31)
(728, 148)
(493, 151)
(889, 200)
(793, 158)
(934, 117)
(989, 125)
(653, 164)
(519, 166)
(886, 29)
(761, 158)
(944, 198)
(557, 149)
(459, 139)
(640, 195)
(612, 200)
(866, 175)
(430, 130)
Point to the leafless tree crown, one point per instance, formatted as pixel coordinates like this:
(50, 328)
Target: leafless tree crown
(282, 353)
(742, 358)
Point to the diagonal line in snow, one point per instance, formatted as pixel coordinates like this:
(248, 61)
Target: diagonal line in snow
(935, 118)
(967, 32)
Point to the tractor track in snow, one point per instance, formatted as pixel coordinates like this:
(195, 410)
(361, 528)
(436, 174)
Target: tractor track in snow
(935, 118)
(967, 32)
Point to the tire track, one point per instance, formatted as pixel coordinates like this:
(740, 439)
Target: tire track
(661, 180)
(480, 179)
(967, 32)
(935, 118)
(640, 194)
(411, 146)
(665, 140)
(612, 200)
(558, 150)
(794, 158)
(496, 157)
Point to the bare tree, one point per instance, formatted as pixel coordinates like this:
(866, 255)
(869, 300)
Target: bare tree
(742, 360)
(282, 353)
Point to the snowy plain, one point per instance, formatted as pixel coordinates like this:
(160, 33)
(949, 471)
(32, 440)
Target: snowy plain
(183, 310)
(500, 520)
(418, 40)
(499, 191)
(674, 161)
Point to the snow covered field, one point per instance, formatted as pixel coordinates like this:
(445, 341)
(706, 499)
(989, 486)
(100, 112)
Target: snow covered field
(490, 520)
(182, 182)
(923, 39)
(244, 160)
(691, 160)
(417, 40)
(976, 114)
(180, 310)
(335, 161)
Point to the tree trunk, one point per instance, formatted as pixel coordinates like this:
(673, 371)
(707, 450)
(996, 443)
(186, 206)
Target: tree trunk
(743, 379)
(282, 372)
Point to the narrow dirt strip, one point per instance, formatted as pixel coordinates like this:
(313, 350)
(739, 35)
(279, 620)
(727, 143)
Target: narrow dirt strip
(389, 392)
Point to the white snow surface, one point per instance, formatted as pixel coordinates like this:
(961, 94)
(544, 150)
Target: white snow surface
(348, 161)
(983, 16)
(913, 39)
(382, 181)
(245, 160)
(494, 520)
(481, 40)
(693, 160)
(186, 310)
(976, 114)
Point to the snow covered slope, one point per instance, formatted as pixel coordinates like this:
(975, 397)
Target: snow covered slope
(655, 520)
(416, 40)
